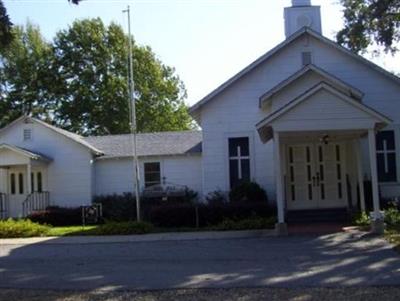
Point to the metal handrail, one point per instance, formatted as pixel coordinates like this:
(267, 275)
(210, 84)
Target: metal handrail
(4, 204)
(36, 201)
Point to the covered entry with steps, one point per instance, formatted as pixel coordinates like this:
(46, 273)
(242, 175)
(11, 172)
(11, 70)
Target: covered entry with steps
(23, 182)
(317, 150)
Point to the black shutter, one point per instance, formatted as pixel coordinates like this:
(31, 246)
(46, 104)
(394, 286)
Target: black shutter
(234, 175)
(389, 175)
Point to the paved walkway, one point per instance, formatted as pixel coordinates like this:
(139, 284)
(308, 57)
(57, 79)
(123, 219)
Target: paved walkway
(342, 259)
(154, 237)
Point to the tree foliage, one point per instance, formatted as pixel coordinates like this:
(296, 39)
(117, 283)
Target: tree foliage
(6, 25)
(79, 81)
(369, 22)
(24, 75)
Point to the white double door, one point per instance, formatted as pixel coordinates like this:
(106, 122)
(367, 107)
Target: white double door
(315, 176)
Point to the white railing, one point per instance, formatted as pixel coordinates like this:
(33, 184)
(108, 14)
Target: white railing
(4, 204)
(36, 201)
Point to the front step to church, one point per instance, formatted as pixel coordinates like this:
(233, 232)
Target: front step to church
(336, 215)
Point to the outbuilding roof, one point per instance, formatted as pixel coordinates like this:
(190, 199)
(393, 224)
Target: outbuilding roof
(148, 144)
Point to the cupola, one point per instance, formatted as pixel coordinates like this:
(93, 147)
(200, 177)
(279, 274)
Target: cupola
(302, 14)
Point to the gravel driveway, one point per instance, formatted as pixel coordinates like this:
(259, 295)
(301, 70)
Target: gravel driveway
(335, 260)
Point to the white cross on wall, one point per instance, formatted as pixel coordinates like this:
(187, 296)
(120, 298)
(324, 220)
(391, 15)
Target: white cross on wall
(385, 151)
(239, 159)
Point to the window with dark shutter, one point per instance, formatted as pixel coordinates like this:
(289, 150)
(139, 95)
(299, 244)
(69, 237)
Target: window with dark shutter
(152, 174)
(239, 160)
(386, 156)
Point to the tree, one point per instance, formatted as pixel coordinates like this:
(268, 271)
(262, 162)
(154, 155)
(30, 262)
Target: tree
(24, 75)
(79, 81)
(90, 69)
(6, 25)
(369, 22)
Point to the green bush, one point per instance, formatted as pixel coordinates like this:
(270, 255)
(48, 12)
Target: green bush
(122, 207)
(121, 228)
(248, 192)
(362, 220)
(392, 216)
(246, 224)
(216, 197)
(21, 228)
(57, 216)
(117, 207)
(184, 215)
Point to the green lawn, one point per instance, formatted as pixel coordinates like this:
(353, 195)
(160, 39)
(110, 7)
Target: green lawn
(25, 228)
(71, 230)
(392, 234)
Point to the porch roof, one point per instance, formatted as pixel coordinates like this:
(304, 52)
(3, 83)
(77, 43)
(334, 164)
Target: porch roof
(24, 152)
(319, 118)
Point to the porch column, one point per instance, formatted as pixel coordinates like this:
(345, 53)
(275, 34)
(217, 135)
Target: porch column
(28, 178)
(280, 227)
(357, 147)
(377, 225)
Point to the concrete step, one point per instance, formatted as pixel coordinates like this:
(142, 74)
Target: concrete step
(318, 215)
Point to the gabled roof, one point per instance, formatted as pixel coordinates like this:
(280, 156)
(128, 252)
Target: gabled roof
(322, 85)
(331, 79)
(116, 146)
(25, 152)
(269, 54)
(74, 137)
(148, 144)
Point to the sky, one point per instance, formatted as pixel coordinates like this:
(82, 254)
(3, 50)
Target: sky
(207, 41)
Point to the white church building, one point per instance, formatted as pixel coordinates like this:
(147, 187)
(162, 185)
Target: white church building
(309, 121)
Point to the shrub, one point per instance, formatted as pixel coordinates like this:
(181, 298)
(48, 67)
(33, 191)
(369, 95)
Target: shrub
(248, 191)
(21, 228)
(117, 207)
(362, 220)
(392, 216)
(173, 215)
(246, 224)
(184, 215)
(57, 216)
(121, 228)
(123, 207)
(216, 197)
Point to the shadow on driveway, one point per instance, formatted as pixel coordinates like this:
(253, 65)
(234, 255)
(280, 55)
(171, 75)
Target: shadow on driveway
(341, 259)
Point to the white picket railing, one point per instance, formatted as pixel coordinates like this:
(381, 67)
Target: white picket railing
(4, 205)
(36, 201)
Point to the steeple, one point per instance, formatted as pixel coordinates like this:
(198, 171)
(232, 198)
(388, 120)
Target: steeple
(302, 14)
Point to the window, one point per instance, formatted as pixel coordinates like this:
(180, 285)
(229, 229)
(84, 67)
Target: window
(306, 58)
(386, 156)
(21, 183)
(39, 182)
(239, 160)
(27, 134)
(152, 174)
(32, 182)
(12, 183)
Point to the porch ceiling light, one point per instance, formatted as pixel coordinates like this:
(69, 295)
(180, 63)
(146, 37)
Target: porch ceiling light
(324, 139)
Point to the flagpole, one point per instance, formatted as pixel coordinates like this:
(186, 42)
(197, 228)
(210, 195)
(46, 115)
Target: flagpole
(133, 120)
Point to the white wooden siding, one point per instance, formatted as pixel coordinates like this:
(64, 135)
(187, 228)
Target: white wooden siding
(69, 174)
(236, 109)
(115, 176)
(12, 158)
(324, 111)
